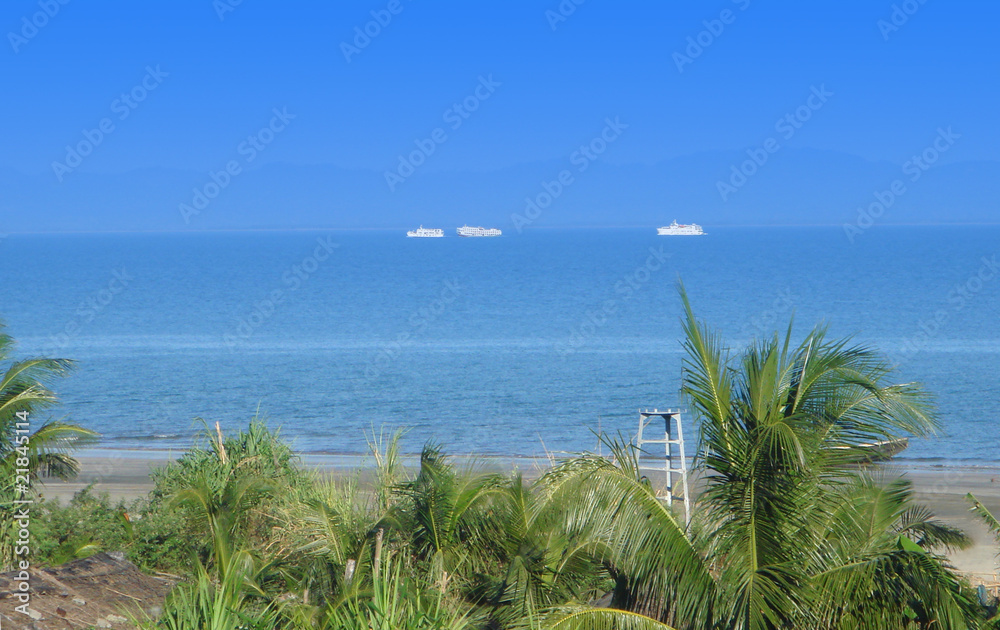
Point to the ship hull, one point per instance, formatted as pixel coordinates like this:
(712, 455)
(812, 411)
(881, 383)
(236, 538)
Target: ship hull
(680, 229)
(477, 232)
(423, 232)
(662, 232)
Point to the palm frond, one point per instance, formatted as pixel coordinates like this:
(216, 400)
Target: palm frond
(583, 618)
(660, 572)
(991, 521)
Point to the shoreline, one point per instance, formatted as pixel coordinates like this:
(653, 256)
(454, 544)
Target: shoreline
(124, 474)
(900, 461)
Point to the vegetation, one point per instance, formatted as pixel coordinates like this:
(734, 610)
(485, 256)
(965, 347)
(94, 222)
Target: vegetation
(789, 530)
(993, 523)
(44, 450)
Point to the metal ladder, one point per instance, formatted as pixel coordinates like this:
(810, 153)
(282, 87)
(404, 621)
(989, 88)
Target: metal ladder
(674, 462)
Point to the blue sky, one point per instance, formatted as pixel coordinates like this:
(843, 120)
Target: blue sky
(555, 81)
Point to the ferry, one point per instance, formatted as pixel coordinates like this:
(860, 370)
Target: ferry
(465, 230)
(422, 232)
(680, 229)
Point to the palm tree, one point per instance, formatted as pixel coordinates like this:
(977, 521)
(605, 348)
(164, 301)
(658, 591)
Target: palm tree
(443, 517)
(24, 392)
(538, 562)
(993, 523)
(877, 541)
(46, 450)
(585, 618)
(221, 511)
(610, 506)
(781, 427)
(787, 533)
(224, 491)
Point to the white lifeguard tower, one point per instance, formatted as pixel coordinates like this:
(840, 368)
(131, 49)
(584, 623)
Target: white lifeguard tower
(674, 466)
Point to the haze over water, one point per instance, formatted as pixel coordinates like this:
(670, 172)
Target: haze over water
(490, 346)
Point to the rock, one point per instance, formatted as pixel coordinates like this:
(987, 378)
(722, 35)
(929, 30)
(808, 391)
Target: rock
(99, 591)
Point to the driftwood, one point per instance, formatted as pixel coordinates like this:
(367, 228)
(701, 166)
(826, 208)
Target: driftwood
(102, 591)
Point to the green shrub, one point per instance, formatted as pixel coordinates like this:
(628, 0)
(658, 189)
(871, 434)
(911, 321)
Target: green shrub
(89, 523)
(256, 452)
(153, 539)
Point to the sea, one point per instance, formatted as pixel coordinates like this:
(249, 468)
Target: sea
(527, 344)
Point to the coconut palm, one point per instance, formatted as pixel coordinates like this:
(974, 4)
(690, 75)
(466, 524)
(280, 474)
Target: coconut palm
(993, 523)
(334, 529)
(220, 512)
(226, 492)
(782, 429)
(440, 512)
(45, 449)
(609, 506)
(780, 537)
(877, 541)
(23, 393)
(539, 563)
(586, 618)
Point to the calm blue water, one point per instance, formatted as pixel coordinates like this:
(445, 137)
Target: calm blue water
(508, 345)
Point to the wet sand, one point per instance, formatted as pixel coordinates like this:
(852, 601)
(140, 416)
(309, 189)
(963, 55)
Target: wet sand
(125, 475)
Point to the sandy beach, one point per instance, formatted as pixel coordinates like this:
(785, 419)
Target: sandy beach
(126, 475)
(943, 490)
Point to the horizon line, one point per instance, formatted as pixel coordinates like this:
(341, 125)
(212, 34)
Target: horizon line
(541, 227)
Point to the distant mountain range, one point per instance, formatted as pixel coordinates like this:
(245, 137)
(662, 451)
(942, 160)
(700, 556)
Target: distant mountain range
(795, 186)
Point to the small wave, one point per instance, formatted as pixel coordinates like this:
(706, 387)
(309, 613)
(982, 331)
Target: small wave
(151, 436)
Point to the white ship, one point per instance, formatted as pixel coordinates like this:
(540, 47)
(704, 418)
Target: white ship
(422, 232)
(465, 230)
(680, 229)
